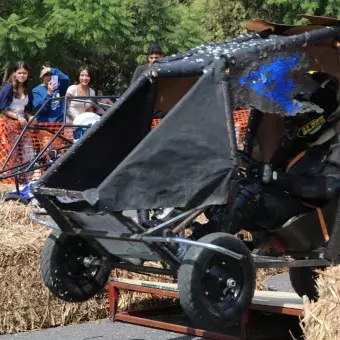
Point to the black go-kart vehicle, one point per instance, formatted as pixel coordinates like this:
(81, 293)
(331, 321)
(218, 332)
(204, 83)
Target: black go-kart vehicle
(282, 186)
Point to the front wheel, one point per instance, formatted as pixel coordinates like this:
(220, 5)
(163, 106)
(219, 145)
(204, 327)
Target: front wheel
(63, 270)
(214, 289)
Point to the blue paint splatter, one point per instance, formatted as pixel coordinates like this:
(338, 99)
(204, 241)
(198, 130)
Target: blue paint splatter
(272, 82)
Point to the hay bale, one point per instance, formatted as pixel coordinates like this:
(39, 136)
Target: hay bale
(6, 188)
(322, 318)
(129, 300)
(26, 303)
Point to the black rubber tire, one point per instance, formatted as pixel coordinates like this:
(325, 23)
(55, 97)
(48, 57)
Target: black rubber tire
(57, 277)
(198, 306)
(303, 280)
(15, 198)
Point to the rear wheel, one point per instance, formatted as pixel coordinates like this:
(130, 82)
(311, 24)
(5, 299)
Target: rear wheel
(63, 270)
(214, 289)
(303, 280)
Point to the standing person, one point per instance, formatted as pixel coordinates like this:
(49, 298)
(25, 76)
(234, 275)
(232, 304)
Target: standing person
(80, 89)
(154, 52)
(13, 95)
(99, 110)
(13, 103)
(54, 110)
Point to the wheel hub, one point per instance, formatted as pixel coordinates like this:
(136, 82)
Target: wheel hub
(223, 281)
(78, 263)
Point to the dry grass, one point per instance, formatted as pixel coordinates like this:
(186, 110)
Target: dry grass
(322, 318)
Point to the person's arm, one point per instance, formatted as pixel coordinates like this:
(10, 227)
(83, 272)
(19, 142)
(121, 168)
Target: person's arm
(39, 98)
(70, 92)
(6, 96)
(20, 117)
(92, 106)
(63, 78)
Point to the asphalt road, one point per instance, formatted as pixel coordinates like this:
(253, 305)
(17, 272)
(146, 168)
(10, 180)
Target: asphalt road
(103, 330)
(279, 283)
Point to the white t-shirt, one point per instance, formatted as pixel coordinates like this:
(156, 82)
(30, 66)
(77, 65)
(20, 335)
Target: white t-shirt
(77, 107)
(18, 104)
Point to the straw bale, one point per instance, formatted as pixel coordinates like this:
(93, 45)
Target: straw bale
(6, 188)
(135, 300)
(322, 318)
(26, 303)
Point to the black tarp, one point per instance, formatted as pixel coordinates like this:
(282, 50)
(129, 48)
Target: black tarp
(93, 157)
(186, 160)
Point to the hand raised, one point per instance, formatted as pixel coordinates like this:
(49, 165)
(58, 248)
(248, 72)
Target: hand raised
(51, 87)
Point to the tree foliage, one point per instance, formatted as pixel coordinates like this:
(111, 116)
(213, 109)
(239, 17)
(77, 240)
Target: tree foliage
(112, 36)
(18, 40)
(286, 11)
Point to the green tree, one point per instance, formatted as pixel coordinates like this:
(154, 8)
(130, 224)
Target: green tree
(173, 25)
(18, 40)
(88, 21)
(286, 11)
(190, 29)
(223, 19)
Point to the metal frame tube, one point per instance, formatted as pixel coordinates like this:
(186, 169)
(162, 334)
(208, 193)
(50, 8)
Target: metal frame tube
(171, 221)
(209, 246)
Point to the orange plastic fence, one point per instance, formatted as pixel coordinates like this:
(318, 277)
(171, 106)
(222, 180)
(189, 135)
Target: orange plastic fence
(241, 122)
(155, 122)
(241, 117)
(35, 140)
(31, 142)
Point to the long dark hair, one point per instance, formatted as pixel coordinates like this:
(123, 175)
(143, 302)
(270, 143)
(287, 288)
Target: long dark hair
(12, 80)
(80, 70)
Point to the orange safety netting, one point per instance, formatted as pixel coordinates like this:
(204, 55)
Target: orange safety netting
(155, 122)
(241, 117)
(241, 122)
(29, 145)
(35, 140)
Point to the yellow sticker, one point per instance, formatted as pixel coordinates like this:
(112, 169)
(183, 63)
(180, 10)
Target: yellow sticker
(311, 127)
